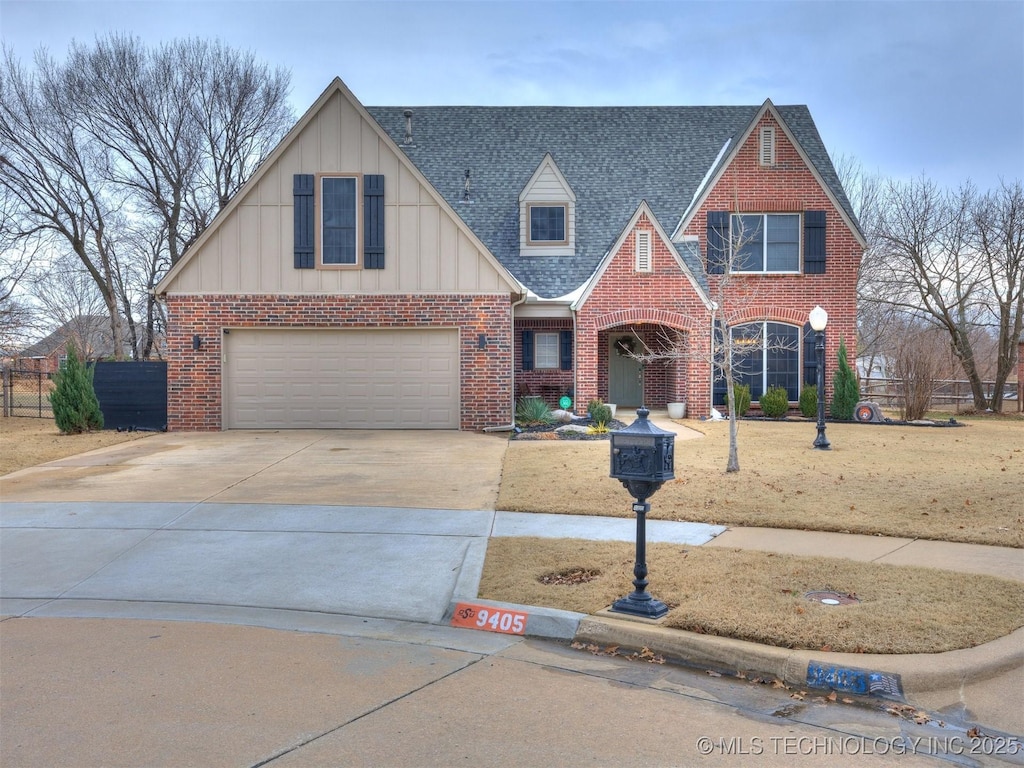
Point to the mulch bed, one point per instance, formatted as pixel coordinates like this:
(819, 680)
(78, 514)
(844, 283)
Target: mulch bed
(547, 431)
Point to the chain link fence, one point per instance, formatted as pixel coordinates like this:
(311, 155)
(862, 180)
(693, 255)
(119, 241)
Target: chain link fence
(26, 393)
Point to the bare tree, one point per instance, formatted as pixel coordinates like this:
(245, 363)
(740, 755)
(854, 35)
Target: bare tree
(955, 260)
(124, 154)
(241, 109)
(998, 219)
(48, 166)
(917, 365)
(876, 317)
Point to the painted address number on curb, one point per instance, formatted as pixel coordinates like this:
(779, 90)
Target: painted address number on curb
(489, 619)
(861, 681)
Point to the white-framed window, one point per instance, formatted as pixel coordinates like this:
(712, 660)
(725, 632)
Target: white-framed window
(545, 350)
(547, 225)
(644, 261)
(766, 242)
(339, 221)
(766, 146)
(764, 355)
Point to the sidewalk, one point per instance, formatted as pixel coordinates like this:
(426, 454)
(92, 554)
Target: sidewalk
(398, 569)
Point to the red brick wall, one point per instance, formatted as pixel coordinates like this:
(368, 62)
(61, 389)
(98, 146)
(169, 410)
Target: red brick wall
(665, 296)
(194, 376)
(645, 300)
(547, 383)
(788, 186)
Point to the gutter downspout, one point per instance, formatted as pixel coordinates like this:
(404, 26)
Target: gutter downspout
(512, 334)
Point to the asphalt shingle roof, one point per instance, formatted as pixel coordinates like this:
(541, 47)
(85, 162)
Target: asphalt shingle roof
(612, 157)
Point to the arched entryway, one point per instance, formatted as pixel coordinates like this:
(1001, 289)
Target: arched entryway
(630, 383)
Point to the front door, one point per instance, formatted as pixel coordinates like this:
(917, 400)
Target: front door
(625, 387)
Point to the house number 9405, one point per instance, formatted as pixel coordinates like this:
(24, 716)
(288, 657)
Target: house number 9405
(489, 619)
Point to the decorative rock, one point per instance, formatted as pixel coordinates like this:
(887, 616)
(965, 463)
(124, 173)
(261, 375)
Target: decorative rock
(572, 428)
(563, 416)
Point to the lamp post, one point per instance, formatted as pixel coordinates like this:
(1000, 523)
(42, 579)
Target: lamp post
(819, 319)
(642, 458)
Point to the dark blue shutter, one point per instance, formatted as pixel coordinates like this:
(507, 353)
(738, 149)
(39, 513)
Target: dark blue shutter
(565, 350)
(373, 221)
(814, 242)
(810, 356)
(718, 378)
(305, 220)
(718, 242)
(527, 350)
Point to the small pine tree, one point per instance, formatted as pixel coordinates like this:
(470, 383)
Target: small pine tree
(74, 403)
(845, 389)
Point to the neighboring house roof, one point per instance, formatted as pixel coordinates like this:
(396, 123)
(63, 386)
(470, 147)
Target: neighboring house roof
(90, 333)
(612, 157)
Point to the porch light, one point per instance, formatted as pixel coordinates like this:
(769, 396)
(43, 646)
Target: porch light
(819, 319)
(642, 458)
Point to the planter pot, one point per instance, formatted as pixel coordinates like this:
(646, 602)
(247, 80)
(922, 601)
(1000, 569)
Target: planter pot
(677, 410)
(612, 406)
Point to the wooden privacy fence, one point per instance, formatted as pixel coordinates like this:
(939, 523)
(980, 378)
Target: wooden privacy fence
(25, 393)
(955, 392)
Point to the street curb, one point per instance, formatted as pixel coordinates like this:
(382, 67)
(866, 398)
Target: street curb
(549, 623)
(918, 673)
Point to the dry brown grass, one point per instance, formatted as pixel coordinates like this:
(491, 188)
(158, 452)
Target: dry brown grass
(26, 442)
(952, 484)
(902, 609)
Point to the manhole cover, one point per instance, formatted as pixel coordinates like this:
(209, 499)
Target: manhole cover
(830, 597)
(570, 576)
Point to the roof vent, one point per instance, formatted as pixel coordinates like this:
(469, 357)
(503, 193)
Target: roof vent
(466, 188)
(408, 126)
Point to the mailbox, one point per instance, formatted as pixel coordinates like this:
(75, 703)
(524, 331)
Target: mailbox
(643, 457)
(643, 453)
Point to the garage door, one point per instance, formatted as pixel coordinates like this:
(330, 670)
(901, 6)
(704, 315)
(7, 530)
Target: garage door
(354, 379)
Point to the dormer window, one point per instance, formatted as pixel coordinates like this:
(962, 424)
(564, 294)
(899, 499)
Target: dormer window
(547, 224)
(547, 213)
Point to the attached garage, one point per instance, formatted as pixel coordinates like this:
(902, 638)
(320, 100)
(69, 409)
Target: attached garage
(347, 379)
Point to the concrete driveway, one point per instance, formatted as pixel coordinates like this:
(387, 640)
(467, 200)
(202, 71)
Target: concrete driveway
(420, 469)
(264, 520)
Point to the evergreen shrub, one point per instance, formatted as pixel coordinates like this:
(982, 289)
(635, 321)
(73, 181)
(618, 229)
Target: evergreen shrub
(809, 401)
(75, 406)
(845, 389)
(775, 402)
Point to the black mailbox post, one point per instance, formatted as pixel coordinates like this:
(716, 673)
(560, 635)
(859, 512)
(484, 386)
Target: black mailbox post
(643, 458)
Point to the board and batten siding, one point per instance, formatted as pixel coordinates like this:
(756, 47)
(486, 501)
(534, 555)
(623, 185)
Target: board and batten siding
(425, 249)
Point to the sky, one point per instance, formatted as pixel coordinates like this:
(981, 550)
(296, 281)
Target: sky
(905, 89)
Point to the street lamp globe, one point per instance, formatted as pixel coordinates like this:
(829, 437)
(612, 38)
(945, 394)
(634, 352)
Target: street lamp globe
(818, 318)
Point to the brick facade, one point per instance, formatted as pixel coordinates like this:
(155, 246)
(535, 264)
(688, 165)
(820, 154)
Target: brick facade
(664, 304)
(194, 400)
(787, 187)
(550, 384)
(657, 306)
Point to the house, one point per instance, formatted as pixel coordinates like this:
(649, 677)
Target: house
(420, 268)
(90, 335)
